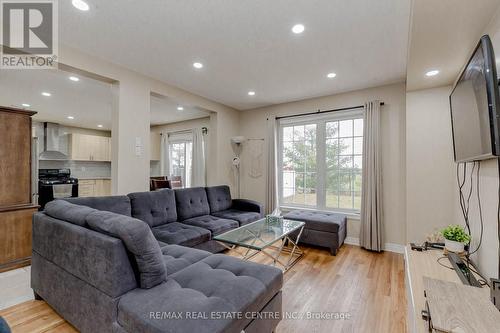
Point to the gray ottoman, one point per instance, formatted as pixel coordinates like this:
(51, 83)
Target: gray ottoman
(321, 229)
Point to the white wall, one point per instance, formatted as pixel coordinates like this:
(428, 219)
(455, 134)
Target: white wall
(131, 120)
(432, 191)
(253, 125)
(431, 194)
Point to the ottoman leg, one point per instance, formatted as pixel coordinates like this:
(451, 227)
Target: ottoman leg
(333, 251)
(38, 297)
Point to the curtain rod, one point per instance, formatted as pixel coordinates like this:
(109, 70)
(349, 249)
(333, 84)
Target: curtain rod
(325, 111)
(204, 130)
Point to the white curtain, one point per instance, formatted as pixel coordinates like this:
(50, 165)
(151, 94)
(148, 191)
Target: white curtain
(165, 155)
(198, 174)
(371, 200)
(272, 206)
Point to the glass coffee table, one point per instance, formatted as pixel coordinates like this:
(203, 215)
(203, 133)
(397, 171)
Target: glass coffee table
(262, 236)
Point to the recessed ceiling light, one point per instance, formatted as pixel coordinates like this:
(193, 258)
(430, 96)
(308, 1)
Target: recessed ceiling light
(251, 93)
(197, 65)
(433, 72)
(26, 105)
(100, 126)
(74, 78)
(180, 108)
(298, 28)
(80, 4)
(71, 117)
(46, 94)
(331, 75)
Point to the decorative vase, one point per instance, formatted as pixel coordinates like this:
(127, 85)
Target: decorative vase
(453, 246)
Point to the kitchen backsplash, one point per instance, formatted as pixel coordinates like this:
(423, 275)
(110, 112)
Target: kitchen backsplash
(80, 169)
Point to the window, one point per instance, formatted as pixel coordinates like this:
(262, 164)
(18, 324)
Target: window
(320, 159)
(181, 153)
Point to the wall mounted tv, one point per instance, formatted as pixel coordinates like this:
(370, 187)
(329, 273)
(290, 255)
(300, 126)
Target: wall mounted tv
(475, 107)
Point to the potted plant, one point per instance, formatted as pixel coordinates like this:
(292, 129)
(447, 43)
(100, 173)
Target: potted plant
(455, 238)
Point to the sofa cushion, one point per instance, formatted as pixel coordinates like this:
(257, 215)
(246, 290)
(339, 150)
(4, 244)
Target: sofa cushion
(181, 234)
(154, 208)
(238, 215)
(178, 257)
(66, 211)
(119, 204)
(191, 202)
(138, 239)
(219, 198)
(98, 259)
(216, 284)
(322, 221)
(216, 225)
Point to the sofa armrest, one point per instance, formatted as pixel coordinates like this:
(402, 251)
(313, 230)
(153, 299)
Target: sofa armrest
(248, 206)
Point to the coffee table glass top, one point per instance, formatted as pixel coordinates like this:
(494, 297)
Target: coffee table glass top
(259, 234)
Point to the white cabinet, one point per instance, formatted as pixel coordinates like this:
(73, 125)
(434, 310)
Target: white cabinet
(84, 147)
(94, 187)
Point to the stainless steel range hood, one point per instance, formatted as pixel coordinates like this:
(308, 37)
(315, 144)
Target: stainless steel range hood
(51, 150)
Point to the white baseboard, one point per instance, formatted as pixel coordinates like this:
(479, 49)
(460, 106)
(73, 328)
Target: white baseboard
(352, 241)
(390, 247)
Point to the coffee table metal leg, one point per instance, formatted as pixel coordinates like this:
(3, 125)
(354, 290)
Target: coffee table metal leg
(295, 246)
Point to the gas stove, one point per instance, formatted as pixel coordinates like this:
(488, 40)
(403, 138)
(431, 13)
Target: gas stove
(55, 184)
(55, 181)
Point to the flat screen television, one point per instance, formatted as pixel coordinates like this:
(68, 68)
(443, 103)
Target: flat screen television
(475, 107)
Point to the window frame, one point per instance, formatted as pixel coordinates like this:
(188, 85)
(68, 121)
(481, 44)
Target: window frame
(320, 120)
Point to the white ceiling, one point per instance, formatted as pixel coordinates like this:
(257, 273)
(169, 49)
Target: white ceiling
(248, 45)
(443, 35)
(89, 101)
(164, 111)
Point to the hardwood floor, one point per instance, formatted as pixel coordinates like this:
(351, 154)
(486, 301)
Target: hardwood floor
(368, 287)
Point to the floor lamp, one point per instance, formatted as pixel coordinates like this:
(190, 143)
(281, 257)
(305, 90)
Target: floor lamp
(237, 141)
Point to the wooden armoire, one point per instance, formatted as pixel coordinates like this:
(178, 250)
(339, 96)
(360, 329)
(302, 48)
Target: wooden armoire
(16, 202)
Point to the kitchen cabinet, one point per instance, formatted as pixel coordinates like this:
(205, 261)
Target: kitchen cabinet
(94, 187)
(84, 147)
(155, 144)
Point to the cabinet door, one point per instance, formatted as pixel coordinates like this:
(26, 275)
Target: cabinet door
(86, 188)
(81, 147)
(15, 159)
(155, 144)
(90, 147)
(101, 149)
(108, 149)
(103, 187)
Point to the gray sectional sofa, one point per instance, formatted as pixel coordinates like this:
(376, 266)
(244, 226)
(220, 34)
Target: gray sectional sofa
(133, 264)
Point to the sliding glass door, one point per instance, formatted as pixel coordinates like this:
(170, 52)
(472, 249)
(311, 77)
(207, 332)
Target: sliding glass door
(181, 157)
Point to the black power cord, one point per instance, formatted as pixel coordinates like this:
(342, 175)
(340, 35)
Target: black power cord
(464, 205)
(480, 210)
